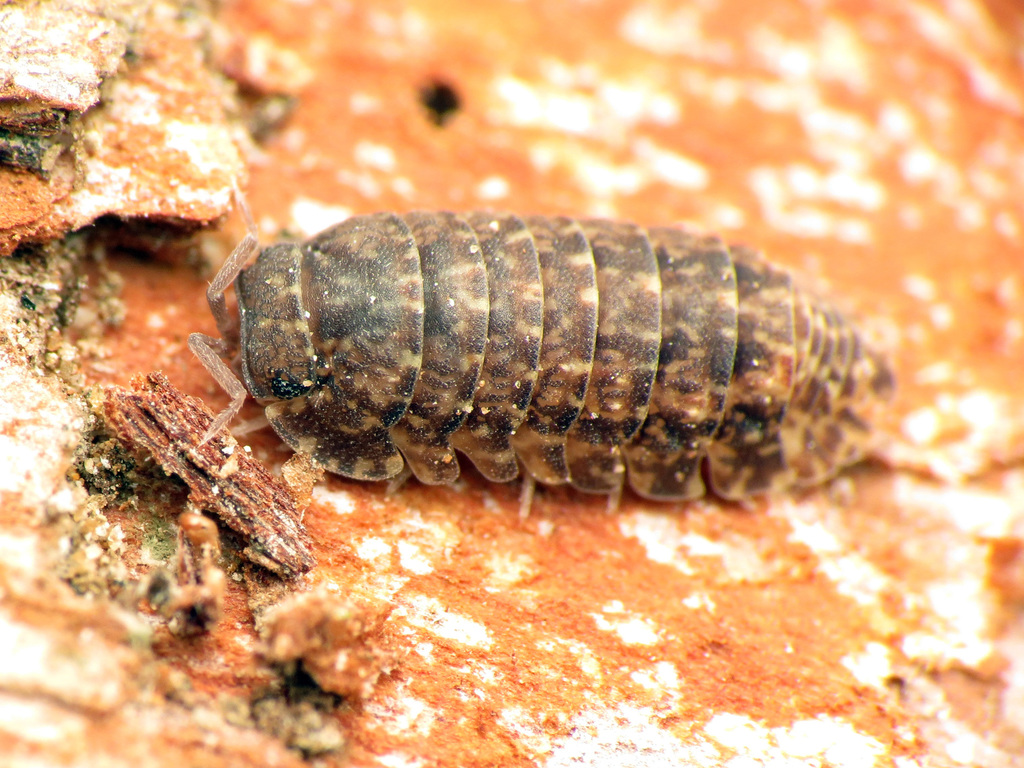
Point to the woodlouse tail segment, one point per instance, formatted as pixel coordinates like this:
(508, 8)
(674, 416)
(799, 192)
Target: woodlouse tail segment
(827, 424)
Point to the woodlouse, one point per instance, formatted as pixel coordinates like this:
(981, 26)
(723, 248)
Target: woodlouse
(587, 352)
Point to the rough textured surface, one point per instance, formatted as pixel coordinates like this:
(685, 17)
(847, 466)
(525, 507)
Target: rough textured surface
(158, 423)
(157, 144)
(57, 54)
(874, 148)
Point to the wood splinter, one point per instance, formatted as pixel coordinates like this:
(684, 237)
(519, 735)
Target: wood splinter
(156, 419)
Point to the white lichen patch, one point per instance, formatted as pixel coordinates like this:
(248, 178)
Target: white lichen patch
(208, 146)
(134, 103)
(960, 436)
(83, 671)
(526, 104)
(604, 178)
(700, 601)
(967, 34)
(509, 569)
(483, 674)
(801, 202)
(871, 666)
(665, 539)
(493, 188)
(856, 578)
(835, 54)
(978, 512)
(631, 628)
(675, 30)
(921, 426)
(422, 544)
(570, 102)
(341, 502)
(637, 101)
(954, 610)
(399, 713)
(379, 157)
(39, 722)
(38, 428)
(662, 677)
(400, 31)
(271, 67)
(412, 559)
(958, 625)
(372, 548)
(58, 53)
(627, 735)
(674, 169)
(853, 575)
(823, 740)
(588, 662)
(661, 536)
(428, 613)
(19, 554)
(399, 760)
(526, 729)
(311, 217)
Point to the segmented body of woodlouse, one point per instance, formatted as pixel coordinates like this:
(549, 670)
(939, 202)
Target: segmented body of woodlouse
(586, 352)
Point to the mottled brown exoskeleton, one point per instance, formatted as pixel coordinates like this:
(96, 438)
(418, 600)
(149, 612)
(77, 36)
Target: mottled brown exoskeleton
(586, 352)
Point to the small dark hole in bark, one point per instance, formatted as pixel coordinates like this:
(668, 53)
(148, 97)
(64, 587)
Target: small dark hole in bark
(441, 101)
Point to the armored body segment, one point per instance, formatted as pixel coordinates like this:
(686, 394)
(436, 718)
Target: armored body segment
(273, 326)
(866, 383)
(363, 292)
(567, 349)
(825, 428)
(797, 426)
(803, 340)
(872, 385)
(695, 365)
(454, 337)
(746, 456)
(815, 401)
(515, 327)
(625, 355)
(849, 430)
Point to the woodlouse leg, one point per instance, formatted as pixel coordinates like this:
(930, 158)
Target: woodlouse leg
(395, 483)
(229, 271)
(615, 496)
(526, 495)
(208, 350)
(248, 426)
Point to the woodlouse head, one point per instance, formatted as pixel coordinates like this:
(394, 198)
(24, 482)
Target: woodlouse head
(278, 360)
